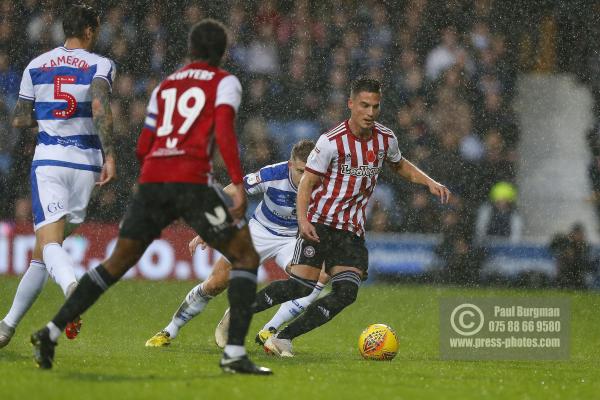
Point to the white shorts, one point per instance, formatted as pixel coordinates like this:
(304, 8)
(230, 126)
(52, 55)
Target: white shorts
(61, 190)
(269, 245)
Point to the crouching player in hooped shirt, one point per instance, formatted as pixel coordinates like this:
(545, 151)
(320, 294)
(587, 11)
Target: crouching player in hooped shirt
(187, 112)
(339, 178)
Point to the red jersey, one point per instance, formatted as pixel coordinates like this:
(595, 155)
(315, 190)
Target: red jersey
(350, 168)
(186, 113)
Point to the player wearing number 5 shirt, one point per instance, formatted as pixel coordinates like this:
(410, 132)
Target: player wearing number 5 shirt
(65, 94)
(188, 112)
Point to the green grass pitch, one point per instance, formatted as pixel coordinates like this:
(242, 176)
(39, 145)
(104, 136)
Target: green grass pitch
(109, 360)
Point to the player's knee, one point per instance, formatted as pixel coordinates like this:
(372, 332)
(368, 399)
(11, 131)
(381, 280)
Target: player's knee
(345, 290)
(247, 259)
(300, 287)
(214, 287)
(126, 254)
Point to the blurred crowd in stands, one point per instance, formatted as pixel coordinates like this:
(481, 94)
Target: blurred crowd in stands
(448, 70)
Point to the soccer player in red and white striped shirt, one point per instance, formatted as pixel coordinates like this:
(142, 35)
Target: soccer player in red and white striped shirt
(340, 176)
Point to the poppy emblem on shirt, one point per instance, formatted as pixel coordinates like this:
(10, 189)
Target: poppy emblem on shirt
(371, 156)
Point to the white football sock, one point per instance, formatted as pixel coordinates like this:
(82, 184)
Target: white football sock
(194, 303)
(31, 285)
(234, 351)
(59, 265)
(54, 331)
(291, 309)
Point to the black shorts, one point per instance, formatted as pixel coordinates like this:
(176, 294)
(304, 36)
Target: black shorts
(336, 248)
(155, 205)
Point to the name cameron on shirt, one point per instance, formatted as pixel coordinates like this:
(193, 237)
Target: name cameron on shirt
(67, 60)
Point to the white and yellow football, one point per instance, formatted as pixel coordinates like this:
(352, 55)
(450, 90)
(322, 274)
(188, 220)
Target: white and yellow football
(378, 342)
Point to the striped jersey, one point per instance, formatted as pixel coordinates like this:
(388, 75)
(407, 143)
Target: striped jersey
(350, 167)
(58, 82)
(277, 211)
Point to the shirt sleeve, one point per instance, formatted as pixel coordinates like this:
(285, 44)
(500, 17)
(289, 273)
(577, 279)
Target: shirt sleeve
(321, 156)
(393, 151)
(253, 183)
(106, 69)
(26, 89)
(152, 111)
(229, 91)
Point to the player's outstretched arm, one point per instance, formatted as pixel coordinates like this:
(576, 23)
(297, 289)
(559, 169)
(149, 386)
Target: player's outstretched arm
(23, 115)
(305, 188)
(412, 173)
(103, 123)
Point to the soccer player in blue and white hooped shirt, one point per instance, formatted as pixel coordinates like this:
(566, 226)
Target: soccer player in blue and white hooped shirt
(273, 227)
(66, 94)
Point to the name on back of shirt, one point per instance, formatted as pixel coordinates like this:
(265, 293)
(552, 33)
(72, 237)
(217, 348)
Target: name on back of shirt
(68, 60)
(198, 74)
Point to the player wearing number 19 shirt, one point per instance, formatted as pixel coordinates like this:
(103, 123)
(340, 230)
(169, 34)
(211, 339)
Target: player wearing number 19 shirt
(65, 93)
(188, 112)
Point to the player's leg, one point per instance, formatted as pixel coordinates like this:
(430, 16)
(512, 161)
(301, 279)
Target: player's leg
(29, 288)
(344, 283)
(70, 192)
(50, 205)
(58, 262)
(92, 285)
(197, 299)
(213, 222)
(304, 274)
(148, 213)
(350, 256)
(51, 189)
(290, 310)
(267, 246)
(194, 303)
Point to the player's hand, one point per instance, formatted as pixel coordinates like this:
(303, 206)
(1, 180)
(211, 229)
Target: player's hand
(109, 171)
(308, 231)
(238, 196)
(195, 242)
(439, 190)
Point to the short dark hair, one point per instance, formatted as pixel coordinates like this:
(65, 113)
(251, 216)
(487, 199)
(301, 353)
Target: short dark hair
(77, 18)
(208, 41)
(302, 149)
(365, 85)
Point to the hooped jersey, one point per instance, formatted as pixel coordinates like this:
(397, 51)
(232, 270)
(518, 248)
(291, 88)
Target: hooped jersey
(58, 82)
(277, 211)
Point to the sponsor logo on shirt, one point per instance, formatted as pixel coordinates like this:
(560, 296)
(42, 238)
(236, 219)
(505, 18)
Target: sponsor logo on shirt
(363, 170)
